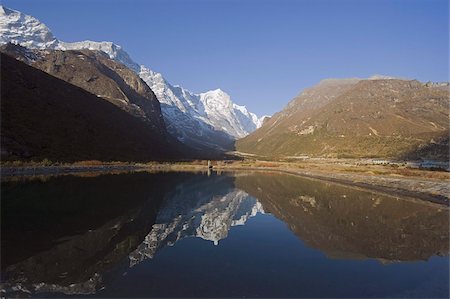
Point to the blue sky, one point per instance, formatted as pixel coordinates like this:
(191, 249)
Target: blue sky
(265, 52)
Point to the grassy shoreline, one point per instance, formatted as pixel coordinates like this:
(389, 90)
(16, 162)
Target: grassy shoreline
(427, 185)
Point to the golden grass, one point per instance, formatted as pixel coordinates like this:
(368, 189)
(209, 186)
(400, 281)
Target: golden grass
(321, 166)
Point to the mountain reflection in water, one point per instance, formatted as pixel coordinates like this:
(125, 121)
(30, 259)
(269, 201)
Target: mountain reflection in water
(107, 235)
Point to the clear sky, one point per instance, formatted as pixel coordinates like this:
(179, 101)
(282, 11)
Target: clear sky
(265, 52)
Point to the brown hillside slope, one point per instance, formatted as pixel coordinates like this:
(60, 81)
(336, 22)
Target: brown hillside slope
(95, 72)
(370, 118)
(45, 117)
(302, 105)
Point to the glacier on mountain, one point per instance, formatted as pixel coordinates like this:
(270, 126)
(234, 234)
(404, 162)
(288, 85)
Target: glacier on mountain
(208, 119)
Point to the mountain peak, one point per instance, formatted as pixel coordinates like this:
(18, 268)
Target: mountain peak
(187, 115)
(216, 97)
(21, 29)
(216, 91)
(6, 11)
(113, 50)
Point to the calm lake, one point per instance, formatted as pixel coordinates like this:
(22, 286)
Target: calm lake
(218, 235)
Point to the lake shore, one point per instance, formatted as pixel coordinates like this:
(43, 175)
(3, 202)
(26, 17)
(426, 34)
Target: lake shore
(422, 184)
(424, 189)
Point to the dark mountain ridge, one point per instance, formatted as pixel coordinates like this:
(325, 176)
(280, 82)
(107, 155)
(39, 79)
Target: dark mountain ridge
(95, 72)
(110, 80)
(44, 117)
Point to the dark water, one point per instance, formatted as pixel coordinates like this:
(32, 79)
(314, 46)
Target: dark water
(228, 235)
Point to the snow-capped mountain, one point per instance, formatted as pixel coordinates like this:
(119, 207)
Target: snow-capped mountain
(219, 107)
(25, 30)
(114, 51)
(208, 119)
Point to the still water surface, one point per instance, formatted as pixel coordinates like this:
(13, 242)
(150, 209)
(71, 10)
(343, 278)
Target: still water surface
(222, 235)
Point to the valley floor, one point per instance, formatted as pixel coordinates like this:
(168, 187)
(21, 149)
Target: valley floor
(427, 185)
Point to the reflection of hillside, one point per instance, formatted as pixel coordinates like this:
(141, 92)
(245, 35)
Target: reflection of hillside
(64, 234)
(344, 222)
(75, 234)
(69, 229)
(204, 208)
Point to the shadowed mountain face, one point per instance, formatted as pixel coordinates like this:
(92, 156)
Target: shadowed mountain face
(208, 121)
(108, 79)
(359, 118)
(45, 117)
(349, 223)
(96, 73)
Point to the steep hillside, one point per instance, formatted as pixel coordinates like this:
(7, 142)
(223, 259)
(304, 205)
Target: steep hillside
(95, 72)
(45, 117)
(300, 107)
(386, 118)
(205, 121)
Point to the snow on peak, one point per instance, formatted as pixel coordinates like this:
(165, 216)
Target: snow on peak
(233, 119)
(114, 51)
(210, 111)
(188, 116)
(18, 28)
(6, 11)
(258, 121)
(216, 99)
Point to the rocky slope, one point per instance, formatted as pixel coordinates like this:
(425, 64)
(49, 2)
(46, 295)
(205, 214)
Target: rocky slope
(205, 120)
(389, 118)
(208, 119)
(46, 117)
(106, 78)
